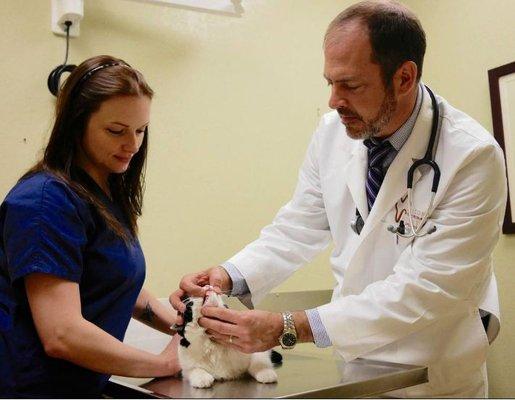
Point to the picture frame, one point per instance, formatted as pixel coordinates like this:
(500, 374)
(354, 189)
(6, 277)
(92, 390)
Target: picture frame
(502, 98)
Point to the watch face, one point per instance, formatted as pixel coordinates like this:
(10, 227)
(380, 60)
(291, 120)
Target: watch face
(289, 339)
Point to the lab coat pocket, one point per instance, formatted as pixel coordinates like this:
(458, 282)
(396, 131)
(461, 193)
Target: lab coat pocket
(397, 218)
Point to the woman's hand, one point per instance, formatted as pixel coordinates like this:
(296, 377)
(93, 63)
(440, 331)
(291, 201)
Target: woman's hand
(170, 357)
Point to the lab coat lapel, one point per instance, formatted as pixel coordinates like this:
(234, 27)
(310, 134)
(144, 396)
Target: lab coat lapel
(394, 184)
(355, 173)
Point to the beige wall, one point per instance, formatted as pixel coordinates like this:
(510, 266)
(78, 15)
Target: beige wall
(236, 102)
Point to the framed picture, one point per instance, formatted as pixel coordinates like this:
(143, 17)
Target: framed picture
(502, 97)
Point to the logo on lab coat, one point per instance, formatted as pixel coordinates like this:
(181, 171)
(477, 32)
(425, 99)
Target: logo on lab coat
(401, 214)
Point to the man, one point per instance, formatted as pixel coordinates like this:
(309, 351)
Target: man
(422, 300)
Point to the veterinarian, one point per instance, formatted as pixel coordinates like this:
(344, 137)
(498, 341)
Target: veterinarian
(71, 267)
(412, 242)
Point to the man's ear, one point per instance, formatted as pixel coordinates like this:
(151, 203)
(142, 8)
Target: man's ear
(405, 78)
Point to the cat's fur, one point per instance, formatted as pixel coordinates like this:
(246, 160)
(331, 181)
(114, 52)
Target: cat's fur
(203, 361)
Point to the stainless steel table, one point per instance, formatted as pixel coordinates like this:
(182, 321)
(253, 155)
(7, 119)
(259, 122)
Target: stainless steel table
(305, 372)
(298, 376)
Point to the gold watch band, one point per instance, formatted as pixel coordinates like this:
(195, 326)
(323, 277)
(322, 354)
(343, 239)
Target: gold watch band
(289, 324)
(288, 338)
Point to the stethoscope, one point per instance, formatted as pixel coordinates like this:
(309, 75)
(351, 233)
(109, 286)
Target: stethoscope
(428, 159)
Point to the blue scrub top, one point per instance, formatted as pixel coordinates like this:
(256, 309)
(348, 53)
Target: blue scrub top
(46, 227)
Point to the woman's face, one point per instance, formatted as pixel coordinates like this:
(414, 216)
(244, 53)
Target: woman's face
(113, 135)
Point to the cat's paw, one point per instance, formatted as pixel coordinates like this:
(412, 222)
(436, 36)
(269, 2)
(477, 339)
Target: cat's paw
(200, 378)
(266, 376)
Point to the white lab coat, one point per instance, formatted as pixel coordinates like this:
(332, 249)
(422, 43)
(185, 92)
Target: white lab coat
(399, 300)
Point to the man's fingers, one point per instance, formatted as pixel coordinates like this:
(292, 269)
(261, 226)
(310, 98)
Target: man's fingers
(226, 341)
(192, 289)
(215, 280)
(218, 336)
(193, 284)
(203, 280)
(223, 314)
(218, 327)
(219, 278)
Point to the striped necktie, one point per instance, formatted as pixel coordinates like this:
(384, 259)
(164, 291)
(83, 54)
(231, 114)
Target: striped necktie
(375, 176)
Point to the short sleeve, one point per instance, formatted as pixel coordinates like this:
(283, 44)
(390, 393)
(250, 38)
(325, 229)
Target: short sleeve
(43, 230)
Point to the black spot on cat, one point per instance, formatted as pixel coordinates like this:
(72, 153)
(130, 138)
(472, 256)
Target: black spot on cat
(187, 316)
(276, 357)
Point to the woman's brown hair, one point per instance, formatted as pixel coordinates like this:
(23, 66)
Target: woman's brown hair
(94, 81)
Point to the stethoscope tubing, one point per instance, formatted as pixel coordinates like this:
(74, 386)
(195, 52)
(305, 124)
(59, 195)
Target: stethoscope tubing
(428, 157)
(429, 160)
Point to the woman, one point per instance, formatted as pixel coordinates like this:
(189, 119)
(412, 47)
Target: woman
(71, 267)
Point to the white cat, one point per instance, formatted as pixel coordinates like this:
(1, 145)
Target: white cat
(204, 361)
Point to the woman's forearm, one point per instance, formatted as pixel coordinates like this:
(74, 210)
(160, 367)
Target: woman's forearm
(150, 311)
(84, 344)
(56, 310)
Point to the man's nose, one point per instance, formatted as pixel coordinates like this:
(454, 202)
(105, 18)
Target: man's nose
(337, 99)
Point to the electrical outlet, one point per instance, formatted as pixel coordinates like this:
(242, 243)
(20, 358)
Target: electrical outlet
(67, 10)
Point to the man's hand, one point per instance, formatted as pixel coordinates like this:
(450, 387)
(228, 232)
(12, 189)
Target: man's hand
(247, 331)
(195, 285)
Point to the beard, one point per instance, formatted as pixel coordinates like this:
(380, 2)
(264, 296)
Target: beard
(366, 129)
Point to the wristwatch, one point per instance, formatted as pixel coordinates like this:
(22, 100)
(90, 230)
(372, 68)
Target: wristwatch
(288, 339)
